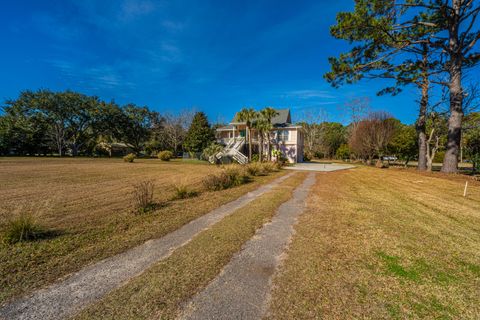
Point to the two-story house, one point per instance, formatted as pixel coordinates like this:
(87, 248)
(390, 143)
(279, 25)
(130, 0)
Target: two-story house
(284, 136)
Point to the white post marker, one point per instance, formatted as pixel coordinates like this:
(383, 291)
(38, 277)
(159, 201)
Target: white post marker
(465, 190)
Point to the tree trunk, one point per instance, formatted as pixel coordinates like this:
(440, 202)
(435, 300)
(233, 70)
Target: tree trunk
(249, 144)
(269, 148)
(260, 146)
(450, 162)
(422, 117)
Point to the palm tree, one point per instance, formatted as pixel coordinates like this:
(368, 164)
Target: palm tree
(263, 127)
(248, 115)
(268, 114)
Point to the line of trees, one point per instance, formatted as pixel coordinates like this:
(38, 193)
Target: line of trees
(421, 43)
(376, 134)
(44, 122)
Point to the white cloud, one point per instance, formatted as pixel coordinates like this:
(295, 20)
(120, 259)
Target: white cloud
(309, 94)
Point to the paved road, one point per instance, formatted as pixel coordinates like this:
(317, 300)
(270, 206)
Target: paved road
(67, 297)
(242, 290)
(319, 167)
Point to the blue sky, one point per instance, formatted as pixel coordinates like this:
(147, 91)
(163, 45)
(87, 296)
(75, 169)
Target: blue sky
(216, 56)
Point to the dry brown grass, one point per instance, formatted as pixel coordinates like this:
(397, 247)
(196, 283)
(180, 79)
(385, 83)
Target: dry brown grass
(383, 244)
(165, 288)
(91, 210)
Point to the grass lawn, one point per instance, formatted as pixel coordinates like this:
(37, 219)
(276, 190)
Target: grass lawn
(163, 290)
(88, 203)
(383, 244)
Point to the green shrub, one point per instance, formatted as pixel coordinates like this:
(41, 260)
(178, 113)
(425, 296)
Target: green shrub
(143, 196)
(253, 168)
(182, 191)
(130, 157)
(255, 158)
(237, 174)
(23, 228)
(211, 150)
(165, 155)
(343, 152)
(439, 157)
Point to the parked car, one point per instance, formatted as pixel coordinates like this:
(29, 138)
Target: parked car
(389, 158)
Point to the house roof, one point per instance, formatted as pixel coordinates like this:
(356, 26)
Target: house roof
(226, 128)
(283, 118)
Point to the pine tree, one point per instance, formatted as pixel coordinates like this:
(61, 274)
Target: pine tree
(200, 135)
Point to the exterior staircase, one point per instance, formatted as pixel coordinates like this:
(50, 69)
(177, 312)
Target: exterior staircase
(232, 149)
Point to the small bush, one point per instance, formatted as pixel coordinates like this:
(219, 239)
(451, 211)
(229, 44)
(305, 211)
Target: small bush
(165, 155)
(253, 168)
(270, 167)
(23, 228)
(216, 182)
(130, 157)
(182, 191)
(380, 164)
(255, 158)
(231, 176)
(143, 196)
(238, 175)
(258, 169)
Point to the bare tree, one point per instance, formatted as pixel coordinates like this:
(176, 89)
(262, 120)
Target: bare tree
(370, 136)
(175, 128)
(436, 136)
(310, 122)
(356, 109)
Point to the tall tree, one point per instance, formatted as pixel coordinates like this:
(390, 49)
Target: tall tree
(200, 135)
(248, 115)
(391, 44)
(135, 125)
(268, 113)
(458, 37)
(262, 127)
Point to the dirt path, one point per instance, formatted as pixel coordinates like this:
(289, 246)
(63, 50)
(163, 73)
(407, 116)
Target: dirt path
(66, 297)
(241, 291)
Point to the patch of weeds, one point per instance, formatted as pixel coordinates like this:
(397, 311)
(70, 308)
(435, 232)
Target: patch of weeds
(23, 228)
(394, 267)
(22, 225)
(230, 177)
(182, 191)
(143, 197)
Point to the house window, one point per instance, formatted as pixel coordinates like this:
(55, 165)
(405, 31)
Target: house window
(282, 135)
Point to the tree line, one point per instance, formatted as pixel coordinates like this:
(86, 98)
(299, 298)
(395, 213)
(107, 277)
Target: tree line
(427, 44)
(44, 122)
(377, 135)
